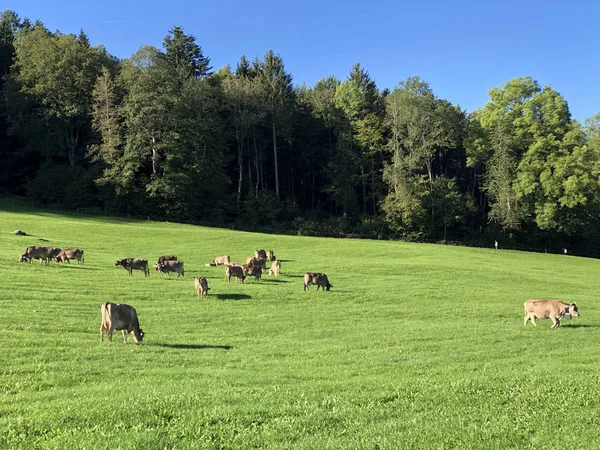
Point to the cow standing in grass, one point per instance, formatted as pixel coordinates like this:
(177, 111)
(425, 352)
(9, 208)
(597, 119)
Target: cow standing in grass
(271, 256)
(548, 309)
(44, 254)
(235, 271)
(116, 316)
(170, 266)
(68, 254)
(201, 286)
(320, 279)
(131, 264)
(275, 268)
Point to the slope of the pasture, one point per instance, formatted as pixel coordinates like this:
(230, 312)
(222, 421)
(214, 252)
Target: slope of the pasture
(415, 346)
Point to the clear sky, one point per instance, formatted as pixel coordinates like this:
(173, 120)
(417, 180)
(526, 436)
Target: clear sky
(462, 48)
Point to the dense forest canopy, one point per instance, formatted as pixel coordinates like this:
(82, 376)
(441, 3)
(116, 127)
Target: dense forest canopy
(163, 134)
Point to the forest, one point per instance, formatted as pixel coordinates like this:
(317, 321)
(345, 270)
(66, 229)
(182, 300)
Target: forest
(165, 135)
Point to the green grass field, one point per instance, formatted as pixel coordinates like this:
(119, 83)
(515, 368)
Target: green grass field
(415, 346)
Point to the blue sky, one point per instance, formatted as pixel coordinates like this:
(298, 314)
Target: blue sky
(462, 48)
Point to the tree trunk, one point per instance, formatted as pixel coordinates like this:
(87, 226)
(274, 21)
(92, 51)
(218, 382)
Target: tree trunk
(154, 157)
(373, 185)
(364, 190)
(275, 162)
(241, 170)
(256, 165)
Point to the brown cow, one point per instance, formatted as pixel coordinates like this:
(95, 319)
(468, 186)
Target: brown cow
(271, 256)
(116, 316)
(170, 266)
(275, 268)
(252, 261)
(131, 264)
(320, 279)
(544, 309)
(235, 271)
(201, 286)
(220, 260)
(41, 253)
(68, 254)
(260, 254)
(163, 259)
(254, 271)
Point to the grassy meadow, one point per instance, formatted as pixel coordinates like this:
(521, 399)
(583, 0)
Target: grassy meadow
(415, 346)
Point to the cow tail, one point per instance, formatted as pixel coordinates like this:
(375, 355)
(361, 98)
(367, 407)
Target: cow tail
(105, 315)
(82, 259)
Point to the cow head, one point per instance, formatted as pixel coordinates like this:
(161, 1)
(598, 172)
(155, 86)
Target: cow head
(157, 267)
(329, 286)
(23, 258)
(118, 262)
(137, 337)
(573, 310)
(58, 259)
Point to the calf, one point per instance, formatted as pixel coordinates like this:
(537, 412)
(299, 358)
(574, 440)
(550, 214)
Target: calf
(68, 254)
(163, 259)
(544, 309)
(275, 268)
(271, 256)
(116, 316)
(320, 279)
(131, 264)
(235, 271)
(201, 286)
(260, 254)
(170, 266)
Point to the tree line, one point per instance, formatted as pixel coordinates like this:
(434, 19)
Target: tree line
(163, 133)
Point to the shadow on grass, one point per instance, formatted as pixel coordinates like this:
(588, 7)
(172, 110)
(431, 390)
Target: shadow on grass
(294, 276)
(273, 280)
(192, 346)
(79, 267)
(579, 325)
(286, 260)
(233, 296)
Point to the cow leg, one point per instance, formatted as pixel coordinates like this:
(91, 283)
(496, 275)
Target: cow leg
(110, 333)
(526, 319)
(124, 336)
(101, 334)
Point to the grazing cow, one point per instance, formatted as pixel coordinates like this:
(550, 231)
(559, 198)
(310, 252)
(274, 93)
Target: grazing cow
(41, 253)
(235, 271)
(254, 271)
(260, 254)
(116, 316)
(170, 266)
(68, 254)
(131, 264)
(252, 261)
(201, 286)
(320, 279)
(163, 259)
(544, 309)
(275, 268)
(271, 256)
(220, 260)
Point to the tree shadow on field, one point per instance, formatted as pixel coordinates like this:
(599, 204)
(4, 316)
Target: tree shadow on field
(286, 260)
(273, 280)
(233, 296)
(579, 325)
(79, 267)
(191, 346)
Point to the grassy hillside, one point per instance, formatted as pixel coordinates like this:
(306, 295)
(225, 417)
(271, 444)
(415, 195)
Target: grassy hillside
(415, 346)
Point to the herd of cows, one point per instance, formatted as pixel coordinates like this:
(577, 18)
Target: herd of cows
(121, 317)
